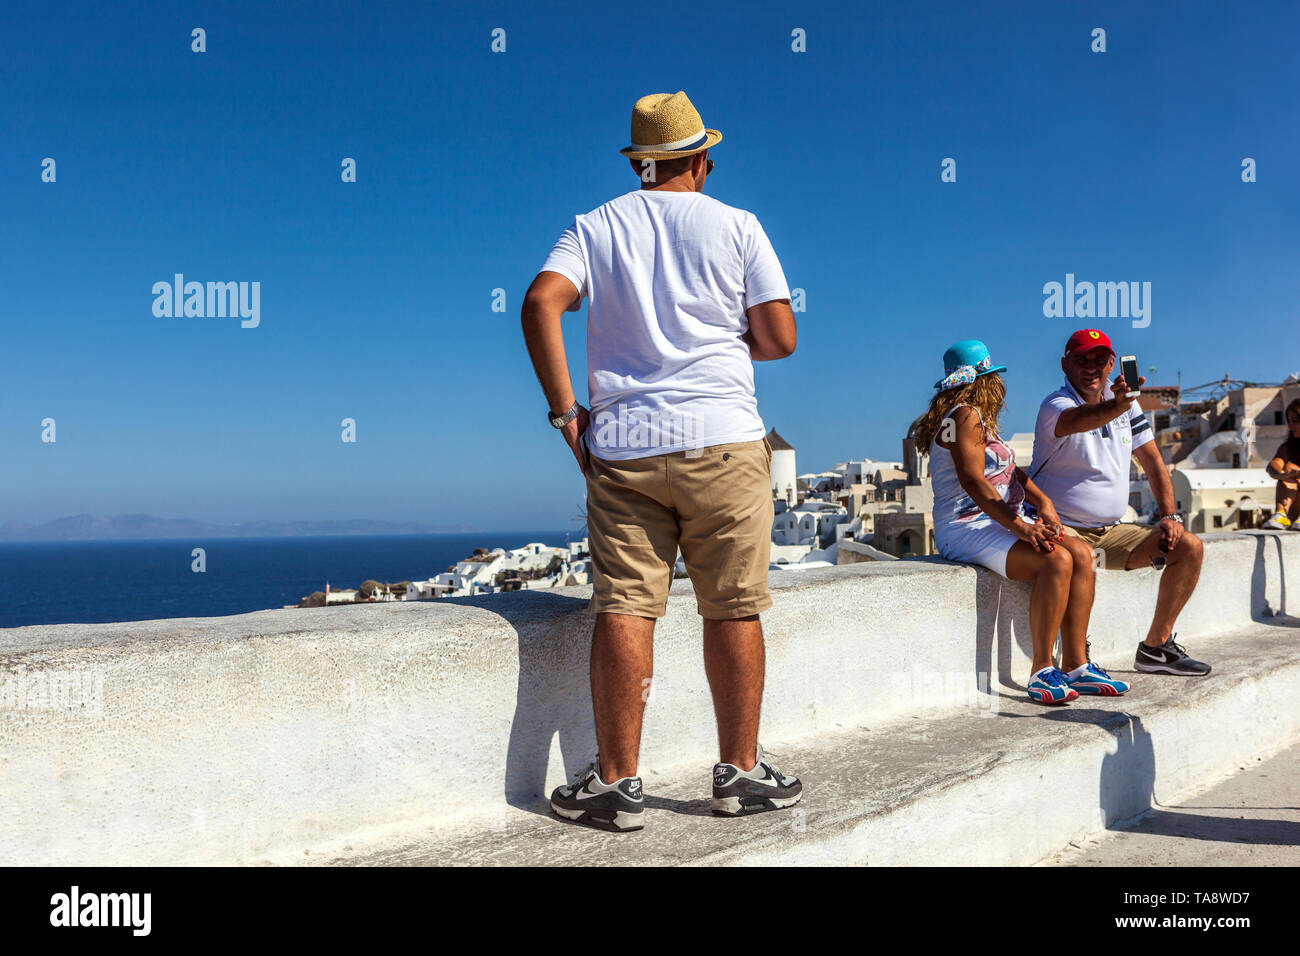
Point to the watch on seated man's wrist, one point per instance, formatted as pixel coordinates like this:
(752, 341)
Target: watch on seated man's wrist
(1172, 516)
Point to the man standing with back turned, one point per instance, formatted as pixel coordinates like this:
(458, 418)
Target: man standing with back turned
(684, 293)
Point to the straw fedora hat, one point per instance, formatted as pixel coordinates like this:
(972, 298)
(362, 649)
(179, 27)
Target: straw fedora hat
(667, 125)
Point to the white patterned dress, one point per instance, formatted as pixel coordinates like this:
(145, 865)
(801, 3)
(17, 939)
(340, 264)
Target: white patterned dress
(962, 531)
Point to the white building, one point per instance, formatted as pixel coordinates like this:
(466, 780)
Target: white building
(428, 590)
(1218, 498)
(810, 524)
(785, 483)
(579, 572)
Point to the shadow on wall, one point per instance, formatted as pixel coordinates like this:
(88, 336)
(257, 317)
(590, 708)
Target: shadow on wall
(1128, 775)
(1002, 612)
(553, 695)
(1260, 609)
(1128, 791)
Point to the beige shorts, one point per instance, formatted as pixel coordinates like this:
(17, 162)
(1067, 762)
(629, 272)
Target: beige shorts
(1116, 542)
(716, 507)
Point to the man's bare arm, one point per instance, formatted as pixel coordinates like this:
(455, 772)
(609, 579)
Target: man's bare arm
(1084, 418)
(772, 334)
(1162, 488)
(545, 303)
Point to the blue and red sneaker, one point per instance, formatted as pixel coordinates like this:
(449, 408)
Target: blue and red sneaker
(1049, 686)
(1093, 680)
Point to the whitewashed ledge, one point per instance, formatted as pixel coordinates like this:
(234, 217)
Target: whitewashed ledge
(244, 739)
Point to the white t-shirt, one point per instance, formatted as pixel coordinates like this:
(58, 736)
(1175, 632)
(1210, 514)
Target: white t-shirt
(668, 276)
(1086, 475)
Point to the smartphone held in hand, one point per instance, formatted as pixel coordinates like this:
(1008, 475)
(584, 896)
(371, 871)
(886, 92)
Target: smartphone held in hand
(1129, 369)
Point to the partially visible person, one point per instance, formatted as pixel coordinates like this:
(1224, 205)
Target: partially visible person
(1086, 433)
(979, 494)
(1285, 467)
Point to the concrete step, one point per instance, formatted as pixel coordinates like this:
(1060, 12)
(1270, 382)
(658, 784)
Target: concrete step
(1248, 818)
(1011, 784)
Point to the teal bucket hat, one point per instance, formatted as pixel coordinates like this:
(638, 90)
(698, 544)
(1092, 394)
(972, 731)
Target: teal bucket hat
(965, 362)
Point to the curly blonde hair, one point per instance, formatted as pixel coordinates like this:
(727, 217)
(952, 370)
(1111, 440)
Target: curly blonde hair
(987, 393)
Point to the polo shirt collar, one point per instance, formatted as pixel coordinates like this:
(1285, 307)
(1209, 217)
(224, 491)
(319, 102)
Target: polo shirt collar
(1105, 391)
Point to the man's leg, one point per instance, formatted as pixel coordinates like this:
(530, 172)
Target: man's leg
(734, 661)
(622, 663)
(1177, 581)
(632, 532)
(724, 498)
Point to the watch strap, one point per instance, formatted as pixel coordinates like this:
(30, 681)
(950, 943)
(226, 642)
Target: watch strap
(562, 420)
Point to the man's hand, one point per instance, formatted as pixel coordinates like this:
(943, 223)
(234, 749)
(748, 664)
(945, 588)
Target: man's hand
(1170, 532)
(573, 431)
(1120, 389)
(1084, 418)
(1048, 516)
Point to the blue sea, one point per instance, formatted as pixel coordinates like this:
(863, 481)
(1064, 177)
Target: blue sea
(103, 581)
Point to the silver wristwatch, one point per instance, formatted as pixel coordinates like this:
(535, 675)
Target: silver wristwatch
(564, 419)
(1172, 517)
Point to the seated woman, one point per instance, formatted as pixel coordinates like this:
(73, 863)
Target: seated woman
(1285, 467)
(979, 495)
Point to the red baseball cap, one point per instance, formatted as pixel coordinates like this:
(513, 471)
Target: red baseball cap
(1085, 340)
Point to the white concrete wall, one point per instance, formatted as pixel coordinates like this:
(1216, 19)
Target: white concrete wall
(228, 739)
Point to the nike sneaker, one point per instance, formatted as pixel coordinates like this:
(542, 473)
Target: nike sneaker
(1279, 522)
(1049, 686)
(739, 792)
(617, 806)
(1169, 658)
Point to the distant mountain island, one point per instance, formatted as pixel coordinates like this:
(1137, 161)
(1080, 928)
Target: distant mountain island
(109, 527)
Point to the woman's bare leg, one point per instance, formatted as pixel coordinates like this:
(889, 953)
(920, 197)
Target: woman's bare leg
(1083, 586)
(1050, 575)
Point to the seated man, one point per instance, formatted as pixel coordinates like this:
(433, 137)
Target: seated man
(1085, 435)
(1285, 467)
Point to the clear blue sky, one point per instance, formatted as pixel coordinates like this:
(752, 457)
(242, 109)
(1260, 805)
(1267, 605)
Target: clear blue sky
(376, 296)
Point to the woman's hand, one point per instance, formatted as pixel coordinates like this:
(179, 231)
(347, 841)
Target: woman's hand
(1048, 516)
(1039, 535)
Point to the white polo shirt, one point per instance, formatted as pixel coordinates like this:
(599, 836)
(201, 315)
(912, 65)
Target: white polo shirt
(668, 276)
(1086, 475)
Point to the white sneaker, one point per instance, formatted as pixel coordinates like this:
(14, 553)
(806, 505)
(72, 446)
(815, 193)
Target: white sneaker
(1279, 522)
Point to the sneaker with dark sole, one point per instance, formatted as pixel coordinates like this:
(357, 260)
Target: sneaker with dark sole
(617, 806)
(1168, 658)
(739, 792)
